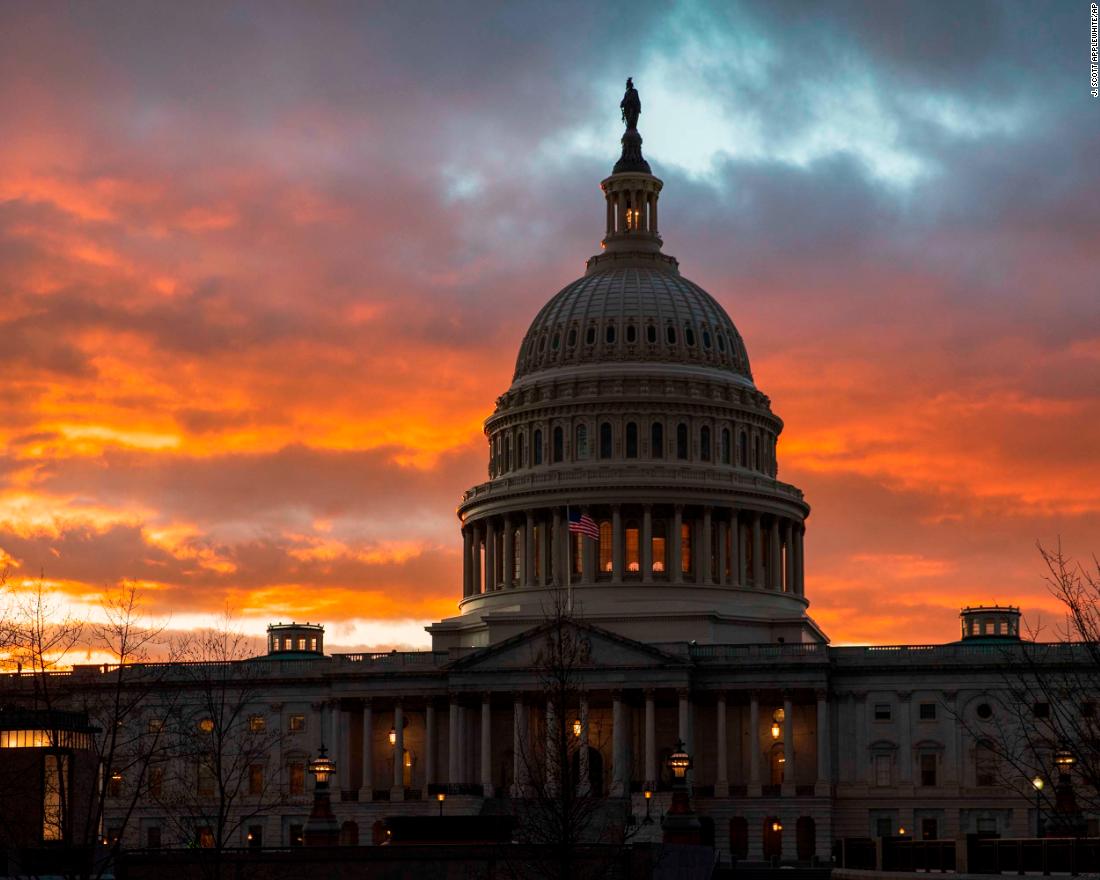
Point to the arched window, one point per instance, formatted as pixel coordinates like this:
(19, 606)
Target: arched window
(657, 440)
(778, 759)
(682, 441)
(536, 447)
(609, 334)
(572, 339)
(985, 763)
(555, 342)
(689, 336)
(726, 452)
(631, 333)
(605, 547)
(590, 336)
(559, 445)
(706, 339)
(721, 343)
(582, 441)
(605, 440)
(756, 454)
(631, 440)
(521, 446)
(507, 453)
(670, 335)
(704, 443)
(517, 555)
(651, 334)
(742, 450)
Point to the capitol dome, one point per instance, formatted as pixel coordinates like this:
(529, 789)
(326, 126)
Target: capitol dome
(632, 461)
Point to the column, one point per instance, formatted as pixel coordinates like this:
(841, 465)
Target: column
(704, 552)
(331, 736)
(588, 554)
(905, 748)
(788, 745)
(557, 546)
(653, 214)
(863, 765)
(788, 556)
(620, 770)
(754, 745)
(467, 562)
(675, 561)
(454, 763)
(647, 544)
(529, 550)
(757, 553)
(341, 751)
(429, 745)
(951, 775)
(722, 783)
(366, 790)
(824, 745)
(508, 555)
(519, 747)
(397, 792)
(544, 535)
(490, 556)
(584, 781)
(737, 550)
(799, 566)
(723, 552)
(486, 746)
(775, 574)
(476, 579)
(650, 740)
(617, 542)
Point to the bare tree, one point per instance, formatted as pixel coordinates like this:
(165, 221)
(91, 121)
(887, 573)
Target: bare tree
(584, 832)
(224, 770)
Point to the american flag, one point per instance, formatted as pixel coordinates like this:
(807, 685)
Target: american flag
(584, 524)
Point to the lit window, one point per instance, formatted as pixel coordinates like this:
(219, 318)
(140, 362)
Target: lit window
(296, 778)
(605, 547)
(255, 779)
(658, 548)
(301, 644)
(206, 725)
(313, 644)
(296, 723)
(257, 723)
(633, 564)
(55, 787)
(685, 548)
(156, 725)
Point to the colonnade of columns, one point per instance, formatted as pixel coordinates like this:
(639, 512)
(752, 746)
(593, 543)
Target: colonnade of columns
(709, 545)
(527, 710)
(634, 199)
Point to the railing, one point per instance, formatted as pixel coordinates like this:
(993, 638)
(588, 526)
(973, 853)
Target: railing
(471, 789)
(906, 854)
(904, 655)
(760, 652)
(1049, 855)
(394, 658)
(571, 478)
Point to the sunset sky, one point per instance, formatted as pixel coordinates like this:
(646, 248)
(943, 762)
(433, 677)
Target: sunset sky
(264, 269)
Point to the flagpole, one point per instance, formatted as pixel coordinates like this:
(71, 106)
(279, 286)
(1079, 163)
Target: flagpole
(568, 562)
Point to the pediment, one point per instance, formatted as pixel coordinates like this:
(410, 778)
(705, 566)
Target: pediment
(583, 646)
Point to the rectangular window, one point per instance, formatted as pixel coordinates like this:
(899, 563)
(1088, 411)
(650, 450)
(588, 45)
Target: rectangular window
(152, 837)
(257, 723)
(205, 780)
(1041, 710)
(156, 780)
(685, 548)
(204, 835)
(296, 723)
(301, 644)
(928, 770)
(987, 826)
(156, 725)
(928, 829)
(633, 564)
(255, 837)
(927, 712)
(882, 770)
(297, 838)
(658, 554)
(605, 547)
(296, 784)
(884, 827)
(1088, 710)
(255, 779)
(575, 539)
(54, 794)
(313, 644)
(882, 712)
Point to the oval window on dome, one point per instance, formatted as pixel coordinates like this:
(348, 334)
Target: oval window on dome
(572, 338)
(670, 335)
(706, 340)
(609, 334)
(651, 334)
(542, 344)
(721, 342)
(631, 333)
(590, 336)
(555, 343)
(689, 336)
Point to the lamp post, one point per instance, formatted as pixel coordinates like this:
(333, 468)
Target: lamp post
(1037, 784)
(321, 828)
(441, 797)
(1067, 816)
(680, 824)
(648, 794)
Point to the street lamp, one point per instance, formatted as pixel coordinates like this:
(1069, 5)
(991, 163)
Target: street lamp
(777, 826)
(648, 820)
(577, 727)
(393, 737)
(441, 797)
(679, 762)
(1037, 783)
(680, 824)
(321, 828)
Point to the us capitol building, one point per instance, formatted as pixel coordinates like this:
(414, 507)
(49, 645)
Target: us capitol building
(633, 410)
